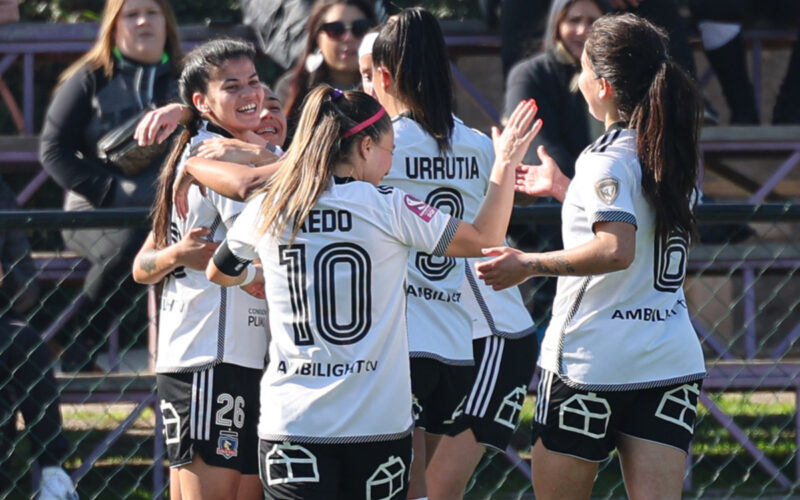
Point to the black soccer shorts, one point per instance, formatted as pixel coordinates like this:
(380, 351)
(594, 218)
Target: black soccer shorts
(586, 424)
(213, 412)
(345, 471)
(437, 390)
(503, 371)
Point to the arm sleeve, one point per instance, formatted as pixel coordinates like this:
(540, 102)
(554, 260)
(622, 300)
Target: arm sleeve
(61, 140)
(239, 247)
(421, 226)
(607, 189)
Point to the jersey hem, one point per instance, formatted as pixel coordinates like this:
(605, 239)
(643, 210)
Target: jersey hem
(631, 386)
(441, 359)
(487, 313)
(336, 440)
(510, 335)
(206, 366)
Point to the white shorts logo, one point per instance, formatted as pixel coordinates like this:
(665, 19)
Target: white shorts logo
(289, 463)
(416, 408)
(676, 406)
(508, 413)
(172, 423)
(457, 412)
(387, 480)
(585, 414)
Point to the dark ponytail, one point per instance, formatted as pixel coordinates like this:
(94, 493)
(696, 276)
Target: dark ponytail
(411, 46)
(162, 209)
(667, 131)
(661, 102)
(194, 78)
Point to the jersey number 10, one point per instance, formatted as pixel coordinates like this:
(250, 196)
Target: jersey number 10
(354, 263)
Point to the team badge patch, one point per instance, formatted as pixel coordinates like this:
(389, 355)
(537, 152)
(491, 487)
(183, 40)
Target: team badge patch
(228, 444)
(422, 209)
(607, 190)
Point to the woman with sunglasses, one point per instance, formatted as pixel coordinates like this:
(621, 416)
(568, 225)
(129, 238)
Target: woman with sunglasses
(335, 29)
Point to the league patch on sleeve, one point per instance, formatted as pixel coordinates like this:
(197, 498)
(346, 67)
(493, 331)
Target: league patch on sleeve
(422, 209)
(607, 190)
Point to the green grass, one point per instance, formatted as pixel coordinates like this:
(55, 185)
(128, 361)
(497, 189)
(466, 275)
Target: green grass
(722, 467)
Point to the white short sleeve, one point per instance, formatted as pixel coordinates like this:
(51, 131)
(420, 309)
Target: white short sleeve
(243, 235)
(420, 225)
(606, 187)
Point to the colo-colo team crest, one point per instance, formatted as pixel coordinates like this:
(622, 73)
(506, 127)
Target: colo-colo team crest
(607, 189)
(228, 444)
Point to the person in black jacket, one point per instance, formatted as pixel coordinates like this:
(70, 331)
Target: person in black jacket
(134, 63)
(551, 79)
(27, 383)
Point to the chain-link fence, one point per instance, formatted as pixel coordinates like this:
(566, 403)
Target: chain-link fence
(741, 288)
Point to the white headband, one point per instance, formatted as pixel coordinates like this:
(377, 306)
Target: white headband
(366, 44)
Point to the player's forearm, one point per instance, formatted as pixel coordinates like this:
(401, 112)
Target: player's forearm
(604, 254)
(152, 265)
(214, 274)
(492, 218)
(230, 179)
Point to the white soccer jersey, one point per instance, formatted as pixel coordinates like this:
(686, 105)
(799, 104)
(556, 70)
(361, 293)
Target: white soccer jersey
(339, 370)
(628, 329)
(202, 324)
(439, 325)
(501, 313)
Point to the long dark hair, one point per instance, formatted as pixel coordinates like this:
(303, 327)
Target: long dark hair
(194, 78)
(302, 80)
(660, 101)
(319, 145)
(411, 47)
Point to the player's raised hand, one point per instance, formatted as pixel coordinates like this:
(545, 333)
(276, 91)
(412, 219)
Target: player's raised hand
(542, 180)
(513, 142)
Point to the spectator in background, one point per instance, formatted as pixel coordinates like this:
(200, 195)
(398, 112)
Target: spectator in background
(9, 11)
(26, 374)
(662, 13)
(134, 63)
(335, 29)
(521, 28)
(720, 25)
(551, 79)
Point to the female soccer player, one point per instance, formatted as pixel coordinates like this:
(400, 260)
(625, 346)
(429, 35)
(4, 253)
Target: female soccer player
(212, 340)
(621, 363)
(336, 412)
(468, 390)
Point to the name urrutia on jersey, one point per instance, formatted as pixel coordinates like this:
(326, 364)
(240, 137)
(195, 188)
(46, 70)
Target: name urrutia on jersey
(448, 167)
